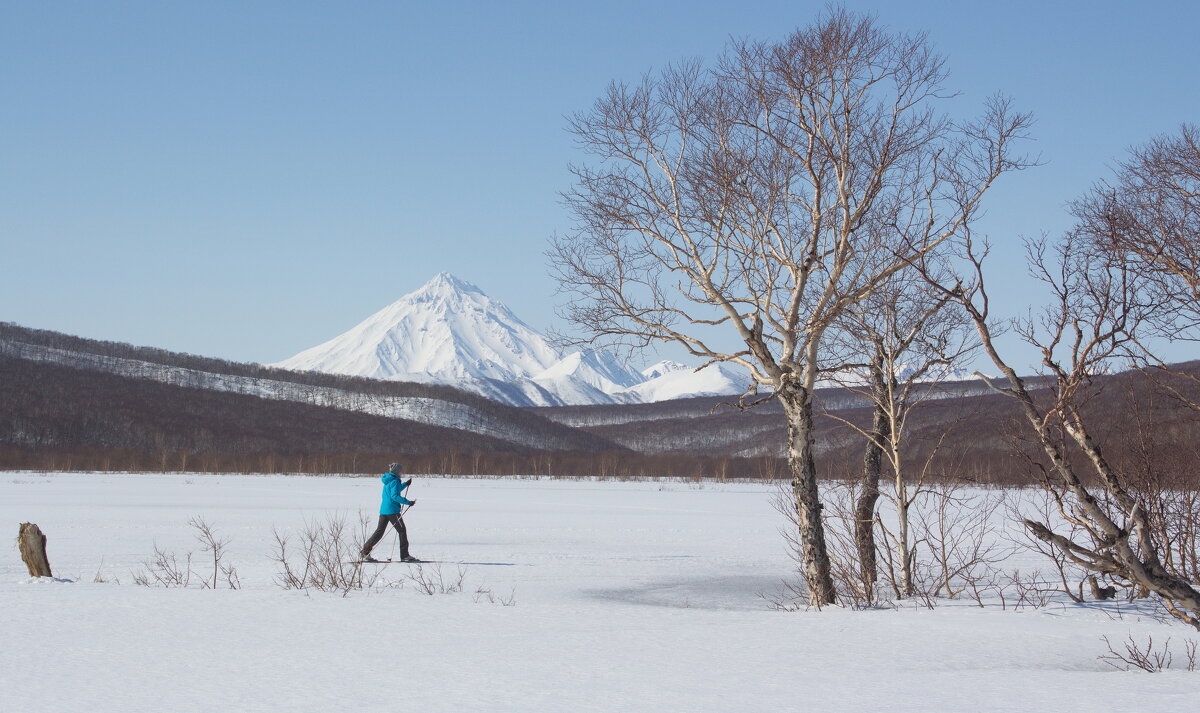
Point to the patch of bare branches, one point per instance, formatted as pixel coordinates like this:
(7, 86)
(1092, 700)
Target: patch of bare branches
(1135, 656)
(955, 551)
(168, 569)
(323, 557)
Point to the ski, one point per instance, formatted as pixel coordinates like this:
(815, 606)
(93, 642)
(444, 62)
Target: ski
(479, 564)
(394, 562)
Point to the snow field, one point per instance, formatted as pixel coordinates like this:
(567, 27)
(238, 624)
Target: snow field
(628, 597)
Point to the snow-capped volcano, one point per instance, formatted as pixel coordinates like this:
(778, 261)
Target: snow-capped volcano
(448, 329)
(450, 332)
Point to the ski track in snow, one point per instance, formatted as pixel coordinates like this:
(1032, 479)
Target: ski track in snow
(629, 597)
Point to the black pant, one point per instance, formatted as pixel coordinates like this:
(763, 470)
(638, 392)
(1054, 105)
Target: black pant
(398, 523)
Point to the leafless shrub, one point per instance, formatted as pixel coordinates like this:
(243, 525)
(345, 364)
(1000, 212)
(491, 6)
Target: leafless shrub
(958, 529)
(325, 557)
(215, 546)
(485, 594)
(954, 549)
(1147, 657)
(1172, 515)
(99, 577)
(432, 580)
(1017, 590)
(167, 569)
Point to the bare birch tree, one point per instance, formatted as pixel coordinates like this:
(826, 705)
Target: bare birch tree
(762, 198)
(1148, 215)
(912, 337)
(1099, 306)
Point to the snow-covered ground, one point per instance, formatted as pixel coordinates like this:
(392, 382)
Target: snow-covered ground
(627, 597)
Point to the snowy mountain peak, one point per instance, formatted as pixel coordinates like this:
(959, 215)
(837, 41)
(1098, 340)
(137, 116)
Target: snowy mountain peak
(449, 331)
(672, 380)
(597, 369)
(445, 285)
(663, 368)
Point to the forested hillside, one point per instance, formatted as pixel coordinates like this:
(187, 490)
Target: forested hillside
(96, 420)
(434, 405)
(73, 403)
(1145, 428)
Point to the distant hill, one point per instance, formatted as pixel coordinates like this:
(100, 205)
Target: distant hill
(67, 401)
(966, 429)
(102, 418)
(431, 404)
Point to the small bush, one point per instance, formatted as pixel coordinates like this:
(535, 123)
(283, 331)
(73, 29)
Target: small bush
(1147, 657)
(325, 558)
(167, 569)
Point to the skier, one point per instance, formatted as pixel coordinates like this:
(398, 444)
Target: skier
(389, 511)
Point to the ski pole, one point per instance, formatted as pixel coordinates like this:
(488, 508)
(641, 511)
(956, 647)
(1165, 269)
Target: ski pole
(405, 508)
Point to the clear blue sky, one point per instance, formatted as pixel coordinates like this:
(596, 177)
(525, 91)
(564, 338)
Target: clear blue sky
(245, 180)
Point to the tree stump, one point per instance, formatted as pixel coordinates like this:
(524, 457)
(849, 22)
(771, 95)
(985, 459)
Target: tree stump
(1100, 593)
(32, 543)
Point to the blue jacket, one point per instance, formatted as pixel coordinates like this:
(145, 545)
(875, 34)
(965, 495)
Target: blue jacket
(392, 498)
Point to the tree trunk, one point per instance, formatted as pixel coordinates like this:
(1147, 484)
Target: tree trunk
(864, 508)
(907, 587)
(797, 405)
(32, 544)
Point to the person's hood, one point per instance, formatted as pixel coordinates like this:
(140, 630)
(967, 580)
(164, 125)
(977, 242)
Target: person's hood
(389, 476)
